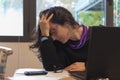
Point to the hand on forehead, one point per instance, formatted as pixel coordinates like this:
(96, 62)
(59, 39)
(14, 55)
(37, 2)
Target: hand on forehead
(45, 17)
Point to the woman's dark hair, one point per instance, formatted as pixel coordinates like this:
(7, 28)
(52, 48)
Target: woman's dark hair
(60, 16)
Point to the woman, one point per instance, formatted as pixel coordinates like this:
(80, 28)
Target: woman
(61, 41)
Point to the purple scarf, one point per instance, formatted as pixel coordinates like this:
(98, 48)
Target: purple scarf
(78, 44)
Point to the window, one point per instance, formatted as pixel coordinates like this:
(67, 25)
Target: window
(19, 17)
(11, 19)
(11, 15)
(116, 13)
(91, 12)
(88, 12)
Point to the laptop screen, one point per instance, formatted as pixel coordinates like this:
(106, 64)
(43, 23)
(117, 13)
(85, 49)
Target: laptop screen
(104, 53)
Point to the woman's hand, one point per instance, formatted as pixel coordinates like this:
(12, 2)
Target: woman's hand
(44, 24)
(77, 66)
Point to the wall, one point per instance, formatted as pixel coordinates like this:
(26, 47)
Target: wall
(22, 57)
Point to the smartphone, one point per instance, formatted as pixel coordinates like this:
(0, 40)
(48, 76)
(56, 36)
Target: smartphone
(35, 72)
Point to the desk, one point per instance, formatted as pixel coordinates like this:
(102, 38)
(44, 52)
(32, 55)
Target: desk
(19, 75)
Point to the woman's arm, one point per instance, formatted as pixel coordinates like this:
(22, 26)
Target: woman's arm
(77, 66)
(50, 59)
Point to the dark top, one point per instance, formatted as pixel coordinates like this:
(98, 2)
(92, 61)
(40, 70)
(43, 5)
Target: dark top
(56, 55)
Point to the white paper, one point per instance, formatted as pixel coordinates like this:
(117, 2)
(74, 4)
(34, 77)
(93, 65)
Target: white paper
(19, 75)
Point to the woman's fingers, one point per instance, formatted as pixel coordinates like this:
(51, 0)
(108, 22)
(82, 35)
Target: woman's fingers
(50, 17)
(44, 17)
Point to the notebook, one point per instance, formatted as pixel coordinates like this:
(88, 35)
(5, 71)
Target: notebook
(104, 54)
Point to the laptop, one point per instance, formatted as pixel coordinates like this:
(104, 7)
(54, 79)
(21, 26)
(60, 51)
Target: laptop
(104, 54)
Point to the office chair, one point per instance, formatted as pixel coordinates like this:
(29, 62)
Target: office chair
(4, 53)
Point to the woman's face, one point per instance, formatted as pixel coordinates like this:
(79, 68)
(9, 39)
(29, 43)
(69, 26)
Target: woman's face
(59, 33)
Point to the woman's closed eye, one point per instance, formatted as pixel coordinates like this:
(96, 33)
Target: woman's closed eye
(53, 32)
